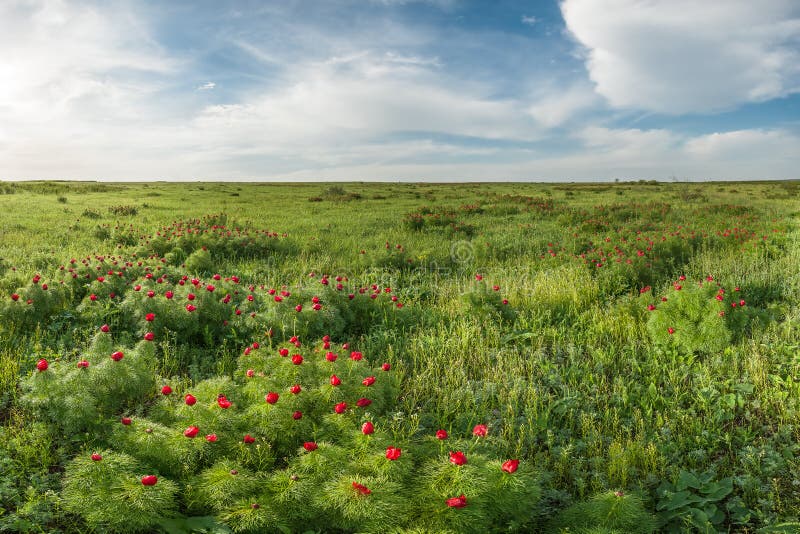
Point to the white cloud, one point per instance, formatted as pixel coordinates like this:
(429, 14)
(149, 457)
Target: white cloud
(559, 105)
(529, 20)
(678, 56)
(208, 86)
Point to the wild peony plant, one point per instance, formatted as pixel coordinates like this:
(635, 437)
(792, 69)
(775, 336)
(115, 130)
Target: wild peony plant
(296, 439)
(80, 396)
(698, 317)
(114, 490)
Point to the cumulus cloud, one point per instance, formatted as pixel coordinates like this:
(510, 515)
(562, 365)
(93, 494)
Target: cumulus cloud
(559, 105)
(679, 56)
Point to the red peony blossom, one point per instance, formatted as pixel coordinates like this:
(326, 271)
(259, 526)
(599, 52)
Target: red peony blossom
(363, 402)
(670, 330)
(83, 364)
(149, 480)
(441, 434)
(283, 352)
(105, 329)
(480, 431)
(458, 458)
(248, 439)
(271, 397)
(191, 432)
(331, 357)
(335, 380)
(457, 502)
(368, 381)
(166, 390)
(150, 317)
(360, 488)
(42, 365)
(297, 359)
(190, 399)
(126, 421)
(340, 408)
(386, 366)
(223, 402)
(297, 415)
(96, 457)
(295, 389)
(117, 356)
(355, 355)
(211, 438)
(393, 453)
(149, 336)
(190, 308)
(14, 297)
(510, 466)
(169, 294)
(250, 373)
(367, 428)
(310, 446)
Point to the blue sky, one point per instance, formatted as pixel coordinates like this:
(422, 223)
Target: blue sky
(446, 90)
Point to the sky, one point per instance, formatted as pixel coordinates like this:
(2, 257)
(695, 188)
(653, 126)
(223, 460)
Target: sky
(400, 90)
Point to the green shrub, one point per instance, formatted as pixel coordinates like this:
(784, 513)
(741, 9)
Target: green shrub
(608, 512)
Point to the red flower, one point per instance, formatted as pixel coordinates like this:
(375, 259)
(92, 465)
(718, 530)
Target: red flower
(283, 352)
(14, 297)
(670, 330)
(105, 329)
(190, 399)
(298, 308)
(149, 480)
(310, 446)
(458, 458)
(150, 317)
(340, 408)
(331, 357)
(480, 431)
(250, 373)
(297, 359)
(368, 381)
(191, 432)
(457, 502)
(509, 466)
(210, 288)
(295, 389)
(441, 434)
(151, 294)
(651, 307)
(386, 366)
(166, 390)
(355, 355)
(190, 296)
(42, 365)
(83, 364)
(211, 438)
(360, 488)
(149, 336)
(393, 453)
(367, 428)
(248, 439)
(117, 356)
(96, 457)
(363, 402)
(93, 297)
(126, 421)
(223, 402)
(335, 380)
(271, 397)
(169, 294)
(190, 308)
(297, 415)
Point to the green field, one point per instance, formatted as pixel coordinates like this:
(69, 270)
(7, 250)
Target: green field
(636, 346)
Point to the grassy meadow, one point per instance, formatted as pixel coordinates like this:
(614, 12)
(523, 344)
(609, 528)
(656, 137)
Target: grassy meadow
(635, 346)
